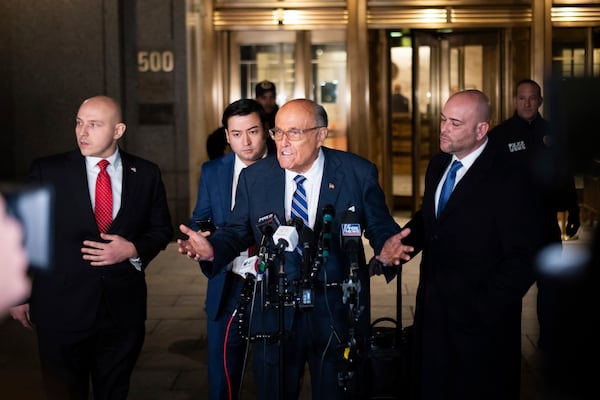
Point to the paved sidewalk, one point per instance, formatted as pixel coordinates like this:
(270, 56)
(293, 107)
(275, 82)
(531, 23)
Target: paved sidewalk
(172, 365)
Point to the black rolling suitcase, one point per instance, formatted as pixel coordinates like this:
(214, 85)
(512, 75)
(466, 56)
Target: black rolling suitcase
(390, 355)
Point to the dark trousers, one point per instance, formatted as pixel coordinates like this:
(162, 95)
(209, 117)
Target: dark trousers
(223, 336)
(107, 354)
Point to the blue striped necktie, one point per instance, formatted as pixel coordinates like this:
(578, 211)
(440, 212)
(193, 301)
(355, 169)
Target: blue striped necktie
(448, 186)
(299, 201)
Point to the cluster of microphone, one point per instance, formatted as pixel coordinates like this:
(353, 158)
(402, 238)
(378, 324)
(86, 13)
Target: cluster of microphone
(267, 266)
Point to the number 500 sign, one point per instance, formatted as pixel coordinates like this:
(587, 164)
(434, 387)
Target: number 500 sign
(155, 61)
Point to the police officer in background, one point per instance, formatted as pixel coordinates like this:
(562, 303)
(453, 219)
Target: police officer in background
(526, 140)
(266, 95)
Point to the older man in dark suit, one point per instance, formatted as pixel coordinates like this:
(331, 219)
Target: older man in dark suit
(316, 335)
(478, 229)
(89, 311)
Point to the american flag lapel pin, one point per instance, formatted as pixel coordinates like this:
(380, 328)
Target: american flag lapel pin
(331, 186)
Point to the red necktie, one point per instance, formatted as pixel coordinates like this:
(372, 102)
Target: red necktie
(104, 201)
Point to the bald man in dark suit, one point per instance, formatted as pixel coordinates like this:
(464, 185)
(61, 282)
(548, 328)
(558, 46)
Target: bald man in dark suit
(476, 266)
(89, 310)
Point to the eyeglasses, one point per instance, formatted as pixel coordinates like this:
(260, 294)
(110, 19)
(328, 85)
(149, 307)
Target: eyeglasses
(292, 134)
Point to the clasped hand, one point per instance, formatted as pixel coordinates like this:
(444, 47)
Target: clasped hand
(115, 250)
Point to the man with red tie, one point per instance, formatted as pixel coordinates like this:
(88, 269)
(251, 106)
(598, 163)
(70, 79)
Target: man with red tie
(110, 220)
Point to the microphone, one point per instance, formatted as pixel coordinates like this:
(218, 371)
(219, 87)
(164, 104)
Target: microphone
(328, 214)
(298, 223)
(305, 238)
(306, 241)
(351, 237)
(268, 224)
(248, 271)
(286, 238)
(304, 296)
(351, 244)
(248, 268)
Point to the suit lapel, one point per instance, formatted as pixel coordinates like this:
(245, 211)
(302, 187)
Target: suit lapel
(435, 173)
(331, 184)
(76, 182)
(470, 182)
(128, 190)
(275, 196)
(225, 186)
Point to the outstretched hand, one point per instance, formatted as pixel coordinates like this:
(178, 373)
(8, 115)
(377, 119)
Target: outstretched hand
(196, 246)
(393, 251)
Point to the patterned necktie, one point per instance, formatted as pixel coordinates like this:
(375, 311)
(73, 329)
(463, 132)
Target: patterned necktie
(299, 202)
(104, 200)
(448, 186)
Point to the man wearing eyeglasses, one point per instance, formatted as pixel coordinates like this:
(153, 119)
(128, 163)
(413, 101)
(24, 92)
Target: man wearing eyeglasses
(244, 123)
(346, 182)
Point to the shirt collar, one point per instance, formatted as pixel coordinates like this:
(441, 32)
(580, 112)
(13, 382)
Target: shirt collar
(114, 159)
(468, 160)
(239, 165)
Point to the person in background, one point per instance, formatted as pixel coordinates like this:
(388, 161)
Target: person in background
(399, 101)
(244, 124)
(14, 282)
(525, 140)
(266, 95)
(216, 144)
(111, 220)
(304, 172)
(478, 230)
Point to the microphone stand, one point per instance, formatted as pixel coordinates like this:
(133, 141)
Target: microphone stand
(281, 284)
(281, 333)
(351, 292)
(247, 293)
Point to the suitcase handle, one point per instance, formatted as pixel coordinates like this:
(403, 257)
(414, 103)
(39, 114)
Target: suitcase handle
(384, 319)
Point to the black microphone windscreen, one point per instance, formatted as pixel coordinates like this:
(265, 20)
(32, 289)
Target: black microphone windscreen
(307, 235)
(328, 210)
(298, 223)
(268, 224)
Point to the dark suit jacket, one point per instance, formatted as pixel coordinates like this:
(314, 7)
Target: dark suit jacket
(214, 202)
(476, 266)
(348, 182)
(67, 298)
